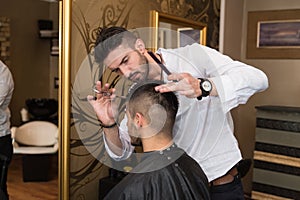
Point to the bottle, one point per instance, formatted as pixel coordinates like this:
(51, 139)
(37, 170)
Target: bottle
(24, 115)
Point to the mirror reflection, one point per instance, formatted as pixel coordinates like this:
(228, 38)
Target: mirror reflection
(86, 136)
(30, 53)
(184, 31)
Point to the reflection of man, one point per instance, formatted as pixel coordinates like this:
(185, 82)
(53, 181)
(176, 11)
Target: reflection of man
(165, 171)
(210, 85)
(6, 91)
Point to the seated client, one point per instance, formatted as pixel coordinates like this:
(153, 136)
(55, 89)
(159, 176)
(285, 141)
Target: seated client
(165, 171)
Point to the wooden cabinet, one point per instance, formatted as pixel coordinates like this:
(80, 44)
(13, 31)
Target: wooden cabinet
(276, 173)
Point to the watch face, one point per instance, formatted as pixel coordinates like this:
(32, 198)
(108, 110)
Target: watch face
(206, 85)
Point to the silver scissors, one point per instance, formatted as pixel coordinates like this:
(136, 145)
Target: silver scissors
(106, 93)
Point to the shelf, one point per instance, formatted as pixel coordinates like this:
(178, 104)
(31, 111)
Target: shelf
(48, 33)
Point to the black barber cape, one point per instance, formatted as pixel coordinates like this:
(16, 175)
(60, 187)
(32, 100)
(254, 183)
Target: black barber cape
(162, 175)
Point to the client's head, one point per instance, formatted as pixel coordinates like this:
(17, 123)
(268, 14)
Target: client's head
(150, 113)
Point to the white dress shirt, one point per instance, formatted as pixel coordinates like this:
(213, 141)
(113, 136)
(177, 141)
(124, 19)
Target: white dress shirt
(204, 129)
(6, 91)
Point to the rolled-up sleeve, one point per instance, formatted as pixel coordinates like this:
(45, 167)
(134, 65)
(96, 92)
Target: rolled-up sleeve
(235, 81)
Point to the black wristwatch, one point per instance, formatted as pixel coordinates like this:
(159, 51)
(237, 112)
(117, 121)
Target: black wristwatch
(205, 87)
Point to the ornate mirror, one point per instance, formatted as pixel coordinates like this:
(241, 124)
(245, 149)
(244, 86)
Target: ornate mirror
(187, 31)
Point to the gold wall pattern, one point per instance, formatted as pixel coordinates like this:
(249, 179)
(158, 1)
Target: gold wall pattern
(86, 170)
(87, 17)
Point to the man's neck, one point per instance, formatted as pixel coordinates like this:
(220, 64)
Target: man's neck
(156, 143)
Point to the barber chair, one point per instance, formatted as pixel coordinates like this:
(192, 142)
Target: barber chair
(37, 141)
(42, 109)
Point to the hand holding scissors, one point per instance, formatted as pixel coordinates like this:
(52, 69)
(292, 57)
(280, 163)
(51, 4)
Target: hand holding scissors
(102, 102)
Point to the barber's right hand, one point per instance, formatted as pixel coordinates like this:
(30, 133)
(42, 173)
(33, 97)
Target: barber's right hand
(102, 103)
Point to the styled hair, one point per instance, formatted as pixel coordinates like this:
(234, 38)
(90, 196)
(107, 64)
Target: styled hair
(110, 38)
(143, 96)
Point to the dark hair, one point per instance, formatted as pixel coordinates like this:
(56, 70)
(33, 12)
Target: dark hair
(143, 95)
(110, 38)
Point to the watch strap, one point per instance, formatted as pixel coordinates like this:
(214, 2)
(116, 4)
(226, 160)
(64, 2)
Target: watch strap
(203, 92)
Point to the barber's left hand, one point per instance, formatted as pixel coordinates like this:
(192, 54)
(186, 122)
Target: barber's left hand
(185, 84)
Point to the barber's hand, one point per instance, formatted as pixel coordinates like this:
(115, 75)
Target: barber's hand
(186, 85)
(102, 103)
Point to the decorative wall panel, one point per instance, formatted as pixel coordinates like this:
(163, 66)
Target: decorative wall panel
(276, 173)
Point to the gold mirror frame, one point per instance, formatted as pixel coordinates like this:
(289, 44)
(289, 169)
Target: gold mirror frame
(157, 17)
(65, 10)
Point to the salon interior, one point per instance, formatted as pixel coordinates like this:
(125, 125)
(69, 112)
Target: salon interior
(47, 43)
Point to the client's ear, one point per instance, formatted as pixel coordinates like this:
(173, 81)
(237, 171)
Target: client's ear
(139, 120)
(140, 46)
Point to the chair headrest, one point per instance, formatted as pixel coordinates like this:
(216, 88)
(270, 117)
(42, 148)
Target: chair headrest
(37, 133)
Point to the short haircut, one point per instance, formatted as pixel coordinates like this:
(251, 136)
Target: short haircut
(110, 38)
(143, 95)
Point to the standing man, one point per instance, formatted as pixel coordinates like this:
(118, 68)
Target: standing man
(6, 91)
(209, 85)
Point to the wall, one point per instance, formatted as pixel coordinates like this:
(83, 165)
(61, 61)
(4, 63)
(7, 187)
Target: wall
(284, 84)
(53, 70)
(29, 54)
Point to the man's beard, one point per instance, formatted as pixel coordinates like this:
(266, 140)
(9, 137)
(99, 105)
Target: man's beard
(142, 71)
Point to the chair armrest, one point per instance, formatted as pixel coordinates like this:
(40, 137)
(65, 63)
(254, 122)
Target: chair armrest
(15, 144)
(13, 135)
(13, 131)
